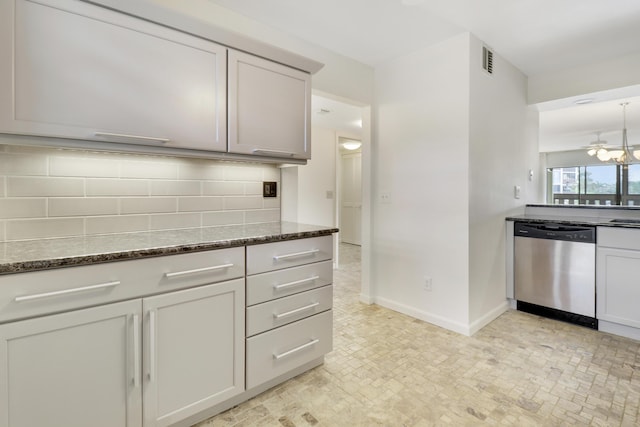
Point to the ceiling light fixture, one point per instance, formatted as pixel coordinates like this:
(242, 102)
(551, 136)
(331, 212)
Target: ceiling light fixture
(623, 155)
(583, 101)
(351, 145)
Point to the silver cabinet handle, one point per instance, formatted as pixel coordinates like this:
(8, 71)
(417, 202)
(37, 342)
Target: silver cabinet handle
(297, 310)
(197, 270)
(136, 351)
(294, 350)
(152, 345)
(67, 291)
(296, 254)
(297, 282)
(275, 152)
(134, 137)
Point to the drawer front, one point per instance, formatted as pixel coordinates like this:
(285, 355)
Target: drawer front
(274, 256)
(276, 284)
(42, 292)
(272, 314)
(619, 238)
(276, 352)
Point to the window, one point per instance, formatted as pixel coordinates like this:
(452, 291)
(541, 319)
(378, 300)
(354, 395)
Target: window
(607, 184)
(633, 185)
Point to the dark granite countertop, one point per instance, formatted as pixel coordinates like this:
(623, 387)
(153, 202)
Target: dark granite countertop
(577, 220)
(16, 257)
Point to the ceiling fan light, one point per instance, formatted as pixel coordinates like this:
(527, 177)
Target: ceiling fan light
(604, 155)
(592, 152)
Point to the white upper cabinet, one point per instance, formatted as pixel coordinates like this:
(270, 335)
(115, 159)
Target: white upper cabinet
(71, 69)
(269, 108)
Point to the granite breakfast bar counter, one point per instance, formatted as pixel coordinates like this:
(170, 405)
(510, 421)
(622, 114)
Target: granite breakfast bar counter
(160, 328)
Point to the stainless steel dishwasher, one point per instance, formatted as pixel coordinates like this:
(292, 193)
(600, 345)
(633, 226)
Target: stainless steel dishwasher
(555, 271)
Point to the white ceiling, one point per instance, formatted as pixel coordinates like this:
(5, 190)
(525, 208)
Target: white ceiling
(536, 36)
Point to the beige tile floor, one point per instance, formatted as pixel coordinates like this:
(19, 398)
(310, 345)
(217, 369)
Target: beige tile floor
(388, 369)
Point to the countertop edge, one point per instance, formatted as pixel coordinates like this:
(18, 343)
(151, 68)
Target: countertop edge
(100, 258)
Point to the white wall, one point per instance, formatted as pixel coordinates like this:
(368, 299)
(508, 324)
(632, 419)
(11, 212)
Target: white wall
(502, 148)
(420, 159)
(316, 178)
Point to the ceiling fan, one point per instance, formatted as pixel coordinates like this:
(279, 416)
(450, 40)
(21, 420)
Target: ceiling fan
(599, 148)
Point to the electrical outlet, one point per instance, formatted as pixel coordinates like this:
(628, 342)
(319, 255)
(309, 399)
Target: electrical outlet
(428, 284)
(385, 197)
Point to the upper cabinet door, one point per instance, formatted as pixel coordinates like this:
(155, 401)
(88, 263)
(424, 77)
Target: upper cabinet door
(74, 70)
(269, 108)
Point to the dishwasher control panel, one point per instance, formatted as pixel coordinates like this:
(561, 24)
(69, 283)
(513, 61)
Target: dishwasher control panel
(555, 231)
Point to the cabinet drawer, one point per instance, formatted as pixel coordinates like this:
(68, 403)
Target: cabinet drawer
(619, 238)
(274, 256)
(276, 284)
(276, 352)
(282, 311)
(41, 292)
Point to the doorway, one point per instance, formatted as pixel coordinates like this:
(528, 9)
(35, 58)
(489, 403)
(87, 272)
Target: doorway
(350, 191)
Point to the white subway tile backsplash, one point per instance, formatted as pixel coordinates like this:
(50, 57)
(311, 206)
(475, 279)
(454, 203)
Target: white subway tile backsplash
(23, 164)
(117, 224)
(271, 203)
(271, 173)
(242, 202)
(175, 188)
(222, 188)
(23, 208)
(117, 187)
(173, 221)
(160, 169)
(79, 206)
(200, 170)
(243, 173)
(200, 204)
(26, 229)
(257, 216)
(47, 192)
(44, 187)
(253, 188)
(80, 165)
(146, 205)
(211, 219)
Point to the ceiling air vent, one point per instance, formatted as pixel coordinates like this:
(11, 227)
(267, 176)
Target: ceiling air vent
(487, 59)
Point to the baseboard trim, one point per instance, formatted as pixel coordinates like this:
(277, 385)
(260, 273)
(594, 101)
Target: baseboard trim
(488, 317)
(434, 319)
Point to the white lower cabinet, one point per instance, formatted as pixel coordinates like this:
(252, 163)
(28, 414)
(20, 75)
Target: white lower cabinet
(174, 354)
(75, 369)
(195, 358)
(617, 285)
(161, 341)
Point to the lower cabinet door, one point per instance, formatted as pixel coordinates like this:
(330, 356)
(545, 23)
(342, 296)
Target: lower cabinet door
(194, 350)
(617, 287)
(79, 368)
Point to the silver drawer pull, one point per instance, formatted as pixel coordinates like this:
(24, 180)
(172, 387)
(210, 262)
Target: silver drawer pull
(297, 282)
(275, 152)
(294, 350)
(133, 137)
(285, 256)
(67, 291)
(197, 270)
(297, 310)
